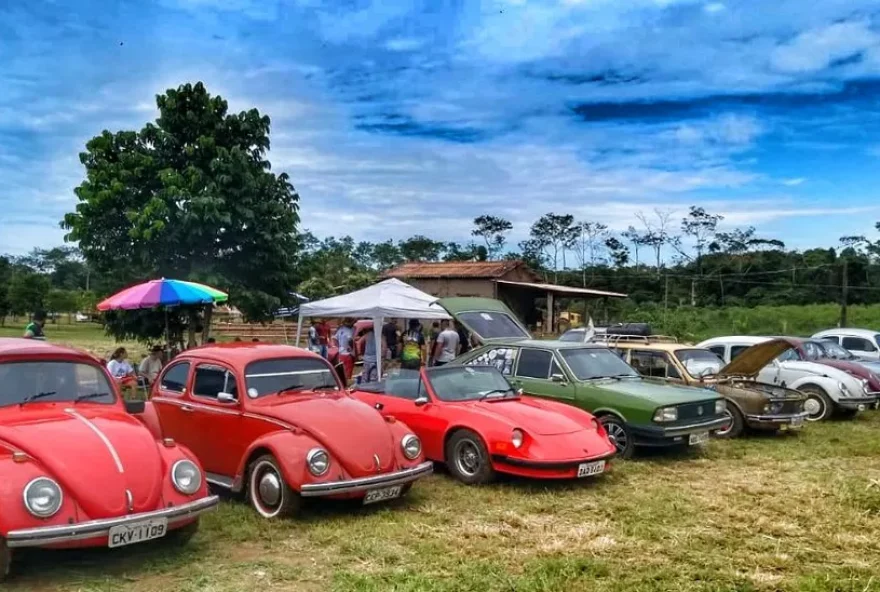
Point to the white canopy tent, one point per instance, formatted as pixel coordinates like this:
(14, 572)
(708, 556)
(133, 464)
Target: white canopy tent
(388, 299)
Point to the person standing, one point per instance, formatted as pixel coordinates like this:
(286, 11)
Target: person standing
(34, 329)
(447, 347)
(367, 339)
(389, 333)
(345, 344)
(432, 341)
(412, 355)
(314, 340)
(464, 338)
(323, 330)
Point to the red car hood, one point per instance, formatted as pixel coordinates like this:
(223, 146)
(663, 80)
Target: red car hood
(349, 429)
(527, 414)
(84, 448)
(856, 370)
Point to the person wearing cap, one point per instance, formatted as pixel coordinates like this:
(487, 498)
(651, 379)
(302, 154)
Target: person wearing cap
(34, 330)
(149, 368)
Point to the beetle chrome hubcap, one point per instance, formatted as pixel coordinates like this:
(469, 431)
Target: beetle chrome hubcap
(617, 435)
(467, 458)
(814, 407)
(270, 489)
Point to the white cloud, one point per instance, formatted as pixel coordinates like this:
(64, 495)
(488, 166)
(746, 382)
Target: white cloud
(793, 182)
(816, 49)
(404, 44)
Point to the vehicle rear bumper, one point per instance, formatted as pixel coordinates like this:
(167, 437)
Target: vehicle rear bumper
(541, 469)
(651, 435)
(97, 529)
(364, 483)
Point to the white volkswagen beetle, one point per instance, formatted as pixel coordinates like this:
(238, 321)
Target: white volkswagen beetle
(827, 389)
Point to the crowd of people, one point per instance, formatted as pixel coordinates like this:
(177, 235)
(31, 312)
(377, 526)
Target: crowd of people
(409, 347)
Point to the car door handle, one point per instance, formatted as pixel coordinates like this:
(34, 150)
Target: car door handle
(187, 408)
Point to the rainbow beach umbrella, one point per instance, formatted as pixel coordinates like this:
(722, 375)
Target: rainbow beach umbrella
(162, 293)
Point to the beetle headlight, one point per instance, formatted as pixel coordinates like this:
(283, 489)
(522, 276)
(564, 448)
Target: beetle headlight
(720, 406)
(516, 438)
(186, 477)
(318, 461)
(666, 414)
(412, 446)
(42, 497)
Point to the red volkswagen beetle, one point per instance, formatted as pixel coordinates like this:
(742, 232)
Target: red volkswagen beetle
(76, 469)
(275, 421)
(472, 419)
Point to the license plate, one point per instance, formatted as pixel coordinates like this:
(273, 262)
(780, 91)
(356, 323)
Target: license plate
(797, 422)
(380, 495)
(591, 468)
(699, 438)
(130, 534)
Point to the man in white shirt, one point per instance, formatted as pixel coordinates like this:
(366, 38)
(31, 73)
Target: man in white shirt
(345, 342)
(447, 346)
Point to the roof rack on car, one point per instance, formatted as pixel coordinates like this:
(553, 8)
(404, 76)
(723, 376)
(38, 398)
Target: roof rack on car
(634, 338)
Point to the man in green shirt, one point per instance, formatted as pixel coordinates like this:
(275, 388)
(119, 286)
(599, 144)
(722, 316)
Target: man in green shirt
(34, 330)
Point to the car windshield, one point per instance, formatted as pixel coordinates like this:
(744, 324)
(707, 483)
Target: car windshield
(596, 362)
(492, 325)
(572, 335)
(699, 362)
(269, 377)
(835, 351)
(813, 350)
(468, 383)
(50, 381)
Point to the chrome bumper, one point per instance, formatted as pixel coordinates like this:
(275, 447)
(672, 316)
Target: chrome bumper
(50, 535)
(776, 419)
(365, 483)
(859, 403)
(712, 425)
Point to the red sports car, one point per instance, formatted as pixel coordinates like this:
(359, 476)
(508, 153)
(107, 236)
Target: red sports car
(472, 419)
(276, 422)
(76, 469)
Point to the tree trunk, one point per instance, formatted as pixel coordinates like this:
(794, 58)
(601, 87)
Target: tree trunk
(206, 330)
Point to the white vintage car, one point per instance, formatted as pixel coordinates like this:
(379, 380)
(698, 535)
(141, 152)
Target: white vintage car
(827, 389)
(863, 343)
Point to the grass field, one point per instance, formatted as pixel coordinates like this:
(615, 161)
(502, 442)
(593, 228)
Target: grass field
(795, 512)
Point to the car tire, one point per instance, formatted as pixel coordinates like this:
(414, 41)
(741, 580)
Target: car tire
(818, 404)
(268, 492)
(5, 559)
(736, 426)
(619, 434)
(467, 458)
(183, 535)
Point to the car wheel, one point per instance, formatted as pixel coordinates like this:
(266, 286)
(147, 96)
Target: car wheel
(184, 534)
(5, 559)
(268, 492)
(818, 404)
(735, 428)
(619, 434)
(467, 458)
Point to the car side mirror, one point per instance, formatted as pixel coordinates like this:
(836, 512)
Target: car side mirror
(135, 407)
(421, 401)
(558, 378)
(226, 398)
(519, 392)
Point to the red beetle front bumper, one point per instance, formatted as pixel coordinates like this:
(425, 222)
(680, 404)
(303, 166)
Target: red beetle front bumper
(98, 530)
(363, 484)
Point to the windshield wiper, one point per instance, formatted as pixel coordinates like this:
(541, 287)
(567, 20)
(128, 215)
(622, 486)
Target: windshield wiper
(291, 388)
(90, 396)
(493, 392)
(614, 376)
(36, 396)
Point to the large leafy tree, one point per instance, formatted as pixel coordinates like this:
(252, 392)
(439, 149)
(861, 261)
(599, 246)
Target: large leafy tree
(190, 196)
(493, 230)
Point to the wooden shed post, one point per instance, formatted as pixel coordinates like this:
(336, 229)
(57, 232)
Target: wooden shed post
(551, 313)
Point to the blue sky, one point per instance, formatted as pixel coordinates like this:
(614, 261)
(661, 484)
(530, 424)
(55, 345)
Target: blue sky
(396, 118)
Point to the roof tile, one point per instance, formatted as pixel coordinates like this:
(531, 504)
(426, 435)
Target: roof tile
(454, 269)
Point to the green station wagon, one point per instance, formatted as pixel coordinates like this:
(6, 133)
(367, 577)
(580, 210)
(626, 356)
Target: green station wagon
(635, 411)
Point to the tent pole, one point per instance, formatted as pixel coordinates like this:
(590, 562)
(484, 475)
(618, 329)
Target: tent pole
(380, 353)
(299, 327)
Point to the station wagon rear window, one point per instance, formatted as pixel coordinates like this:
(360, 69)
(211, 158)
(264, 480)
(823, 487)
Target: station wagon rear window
(49, 381)
(492, 325)
(268, 377)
